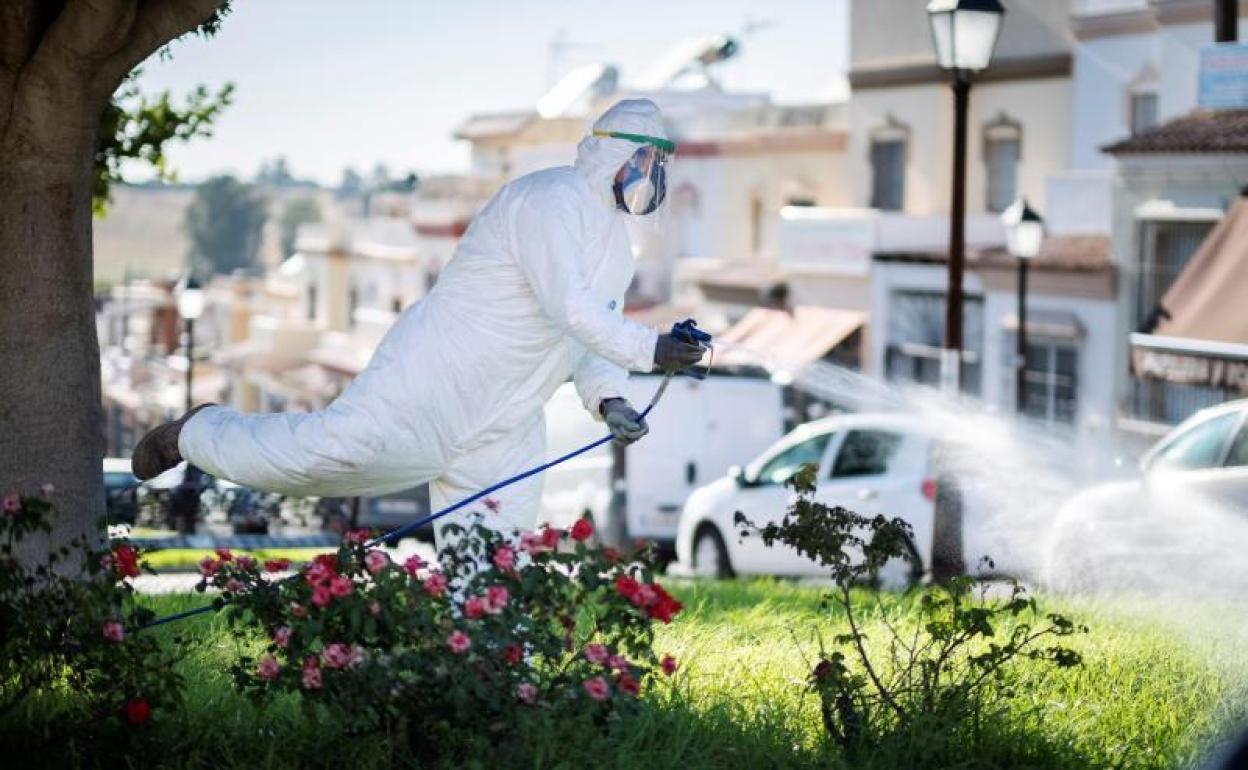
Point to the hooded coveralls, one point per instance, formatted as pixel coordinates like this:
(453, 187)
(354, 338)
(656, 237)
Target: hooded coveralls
(454, 393)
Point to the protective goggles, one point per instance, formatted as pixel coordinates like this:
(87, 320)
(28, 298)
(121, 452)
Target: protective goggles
(641, 185)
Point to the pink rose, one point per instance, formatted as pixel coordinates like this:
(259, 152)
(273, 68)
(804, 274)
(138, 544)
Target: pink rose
(311, 678)
(513, 654)
(341, 586)
(208, 566)
(550, 536)
(376, 562)
(459, 642)
(374, 608)
(496, 598)
(106, 562)
(527, 692)
(359, 536)
(646, 595)
(234, 586)
(435, 584)
(668, 664)
(224, 554)
(597, 688)
(297, 610)
(321, 596)
(246, 562)
(12, 503)
(281, 636)
(268, 668)
(505, 558)
(337, 655)
(474, 607)
(413, 565)
(114, 632)
(596, 653)
(618, 662)
(531, 543)
(318, 574)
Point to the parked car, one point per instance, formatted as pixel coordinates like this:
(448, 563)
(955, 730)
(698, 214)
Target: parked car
(1186, 512)
(698, 430)
(384, 513)
(121, 491)
(869, 463)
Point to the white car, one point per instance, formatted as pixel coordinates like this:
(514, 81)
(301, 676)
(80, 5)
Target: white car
(868, 463)
(1183, 520)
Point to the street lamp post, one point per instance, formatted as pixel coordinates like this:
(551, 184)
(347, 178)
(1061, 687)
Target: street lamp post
(190, 307)
(965, 33)
(1024, 232)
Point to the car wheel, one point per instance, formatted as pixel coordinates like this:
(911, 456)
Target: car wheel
(710, 554)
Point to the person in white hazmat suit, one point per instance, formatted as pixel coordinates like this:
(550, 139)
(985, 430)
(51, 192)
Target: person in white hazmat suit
(454, 394)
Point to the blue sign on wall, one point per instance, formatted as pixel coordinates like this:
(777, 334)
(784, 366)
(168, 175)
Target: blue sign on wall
(1223, 76)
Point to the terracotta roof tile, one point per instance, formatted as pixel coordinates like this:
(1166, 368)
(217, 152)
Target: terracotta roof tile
(1223, 131)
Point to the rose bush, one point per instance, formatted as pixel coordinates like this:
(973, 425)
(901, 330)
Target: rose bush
(65, 627)
(500, 625)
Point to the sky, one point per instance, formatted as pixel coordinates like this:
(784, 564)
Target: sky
(336, 83)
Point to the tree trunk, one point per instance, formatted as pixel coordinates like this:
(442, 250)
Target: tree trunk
(51, 418)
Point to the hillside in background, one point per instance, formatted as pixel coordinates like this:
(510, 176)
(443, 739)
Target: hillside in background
(142, 230)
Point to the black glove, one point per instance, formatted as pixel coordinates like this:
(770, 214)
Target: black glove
(672, 355)
(625, 423)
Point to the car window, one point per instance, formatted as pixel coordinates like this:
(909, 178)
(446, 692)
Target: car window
(114, 480)
(1199, 446)
(865, 453)
(1238, 456)
(781, 468)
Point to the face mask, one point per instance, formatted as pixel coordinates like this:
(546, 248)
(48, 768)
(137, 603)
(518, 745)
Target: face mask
(642, 186)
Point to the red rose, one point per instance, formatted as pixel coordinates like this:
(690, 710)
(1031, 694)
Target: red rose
(626, 586)
(513, 654)
(224, 554)
(276, 565)
(628, 685)
(137, 711)
(474, 607)
(126, 559)
(582, 530)
(664, 606)
(550, 536)
(668, 664)
(611, 555)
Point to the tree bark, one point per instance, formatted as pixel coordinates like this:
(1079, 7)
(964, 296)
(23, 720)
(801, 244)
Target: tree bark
(60, 62)
(50, 409)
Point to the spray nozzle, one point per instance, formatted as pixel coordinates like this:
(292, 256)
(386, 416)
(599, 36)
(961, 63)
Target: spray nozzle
(688, 331)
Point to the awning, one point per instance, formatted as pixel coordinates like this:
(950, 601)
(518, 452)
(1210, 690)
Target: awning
(1207, 301)
(786, 340)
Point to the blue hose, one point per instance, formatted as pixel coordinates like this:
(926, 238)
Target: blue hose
(395, 535)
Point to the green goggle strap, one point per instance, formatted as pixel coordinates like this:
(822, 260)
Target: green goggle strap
(663, 144)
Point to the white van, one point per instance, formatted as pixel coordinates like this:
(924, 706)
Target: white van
(698, 431)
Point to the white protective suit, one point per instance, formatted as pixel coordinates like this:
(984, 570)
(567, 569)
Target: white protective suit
(454, 393)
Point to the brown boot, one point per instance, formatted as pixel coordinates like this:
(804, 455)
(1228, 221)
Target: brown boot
(157, 451)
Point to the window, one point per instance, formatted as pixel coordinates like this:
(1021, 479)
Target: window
(396, 305)
(1002, 148)
(888, 173)
(865, 453)
(1238, 456)
(781, 468)
(1050, 378)
(916, 334)
(1167, 247)
(1143, 111)
(1200, 446)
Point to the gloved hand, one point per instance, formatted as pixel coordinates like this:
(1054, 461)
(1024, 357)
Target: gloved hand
(672, 355)
(624, 421)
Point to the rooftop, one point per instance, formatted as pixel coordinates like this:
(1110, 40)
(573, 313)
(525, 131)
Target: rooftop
(1200, 132)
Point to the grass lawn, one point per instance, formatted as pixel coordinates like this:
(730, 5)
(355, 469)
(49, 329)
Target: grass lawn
(1156, 690)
